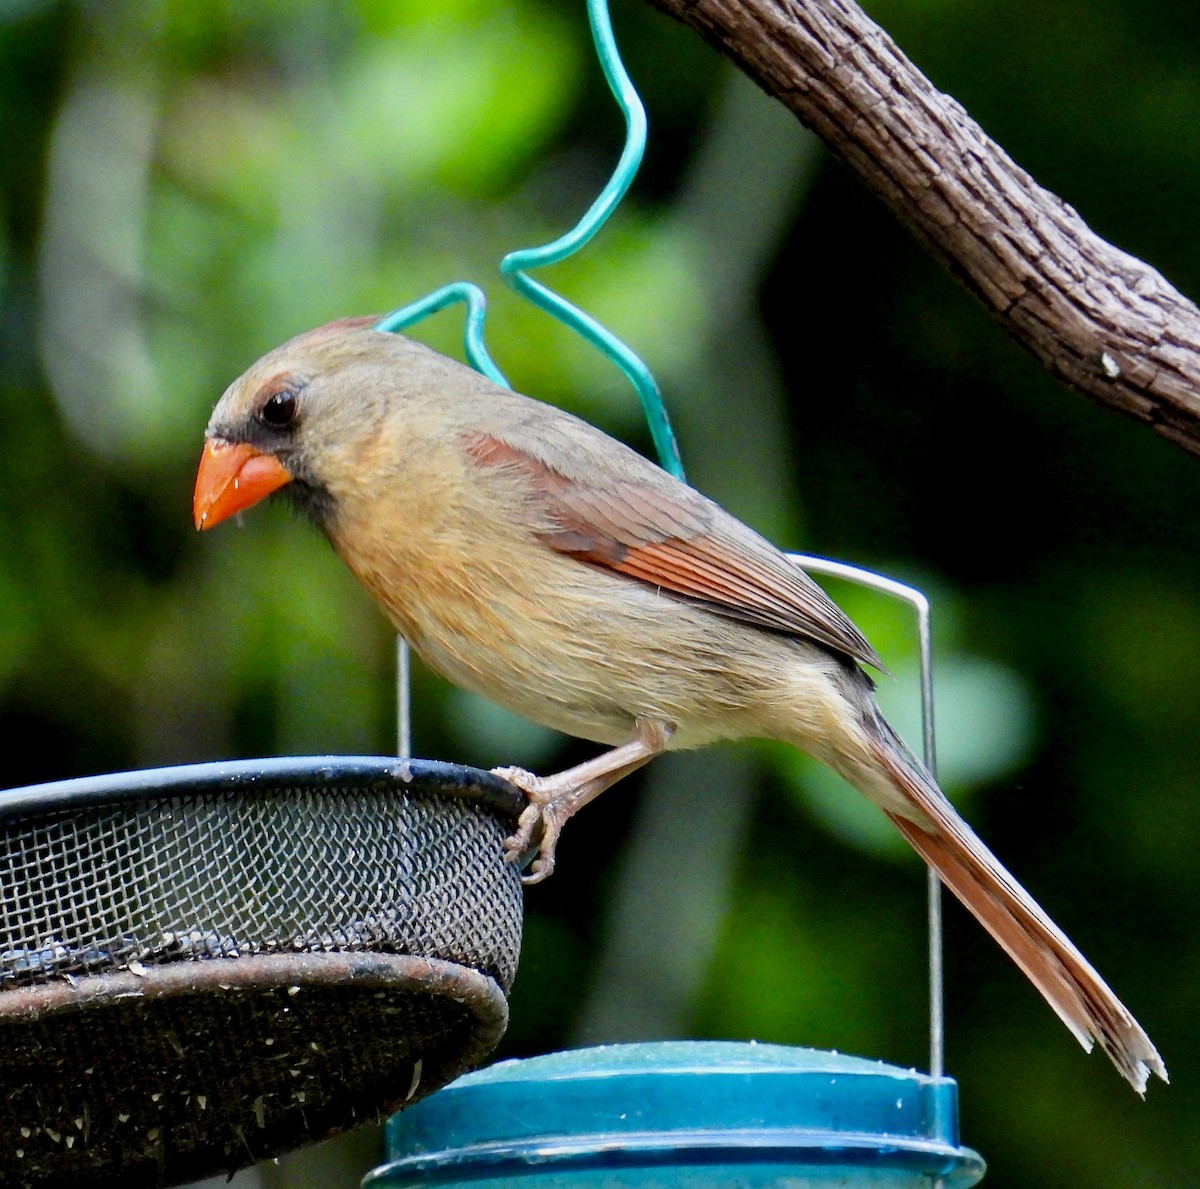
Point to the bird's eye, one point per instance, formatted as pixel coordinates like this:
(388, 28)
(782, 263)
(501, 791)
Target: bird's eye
(279, 409)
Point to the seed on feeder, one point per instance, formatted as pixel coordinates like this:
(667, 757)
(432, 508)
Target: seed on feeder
(418, 1065)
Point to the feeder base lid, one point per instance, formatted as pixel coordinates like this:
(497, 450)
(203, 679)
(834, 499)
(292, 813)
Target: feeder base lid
(661, 1108)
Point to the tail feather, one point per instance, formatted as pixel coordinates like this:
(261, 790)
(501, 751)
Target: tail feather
(1060, 972)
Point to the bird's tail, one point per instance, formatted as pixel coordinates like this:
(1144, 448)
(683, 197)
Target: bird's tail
(1063, 975)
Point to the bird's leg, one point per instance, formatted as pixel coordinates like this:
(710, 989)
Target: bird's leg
(554, 799)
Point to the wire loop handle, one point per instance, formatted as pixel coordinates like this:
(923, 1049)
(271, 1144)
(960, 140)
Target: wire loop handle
(920, 604)
(514, 268)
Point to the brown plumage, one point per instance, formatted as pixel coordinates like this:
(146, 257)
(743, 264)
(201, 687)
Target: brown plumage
(531, 558)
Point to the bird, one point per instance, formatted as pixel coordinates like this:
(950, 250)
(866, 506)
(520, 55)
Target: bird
(535, 560)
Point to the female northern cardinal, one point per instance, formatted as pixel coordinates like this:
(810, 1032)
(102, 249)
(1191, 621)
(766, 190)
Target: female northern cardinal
(535, 560)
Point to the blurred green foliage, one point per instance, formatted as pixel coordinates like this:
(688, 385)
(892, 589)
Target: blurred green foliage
(185, 185)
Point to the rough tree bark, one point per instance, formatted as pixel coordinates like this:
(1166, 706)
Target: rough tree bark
(1104, 322)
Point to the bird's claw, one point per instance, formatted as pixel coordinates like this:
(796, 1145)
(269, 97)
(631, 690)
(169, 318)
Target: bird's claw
(540, 811)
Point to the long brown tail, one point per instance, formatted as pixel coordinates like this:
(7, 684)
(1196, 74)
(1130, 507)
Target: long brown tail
(1063, 975)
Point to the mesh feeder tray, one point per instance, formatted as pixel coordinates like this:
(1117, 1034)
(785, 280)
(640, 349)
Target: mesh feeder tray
(204, 966)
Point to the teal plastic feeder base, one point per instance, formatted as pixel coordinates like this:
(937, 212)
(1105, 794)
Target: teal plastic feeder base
(683, 1115)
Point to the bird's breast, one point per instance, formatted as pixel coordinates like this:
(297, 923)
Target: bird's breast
(558, 641)
(497, 613)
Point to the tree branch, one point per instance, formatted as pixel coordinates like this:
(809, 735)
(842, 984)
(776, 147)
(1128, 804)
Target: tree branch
(1099, 319)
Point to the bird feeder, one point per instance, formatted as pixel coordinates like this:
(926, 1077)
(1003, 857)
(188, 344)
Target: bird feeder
(205, 966)
(683, 1115)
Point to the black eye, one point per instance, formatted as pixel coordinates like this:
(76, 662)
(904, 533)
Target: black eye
(279, 409)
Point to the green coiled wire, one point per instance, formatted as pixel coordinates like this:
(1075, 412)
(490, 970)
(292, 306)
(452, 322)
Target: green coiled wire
(514, 268)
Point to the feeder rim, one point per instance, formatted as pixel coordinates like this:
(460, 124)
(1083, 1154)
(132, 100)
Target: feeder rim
(314, 773)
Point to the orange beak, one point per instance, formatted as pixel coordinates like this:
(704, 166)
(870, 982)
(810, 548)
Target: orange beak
(231, 478)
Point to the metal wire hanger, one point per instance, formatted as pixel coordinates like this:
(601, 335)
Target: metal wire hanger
(514, 268)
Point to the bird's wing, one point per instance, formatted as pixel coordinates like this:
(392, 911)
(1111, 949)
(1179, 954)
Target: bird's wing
(656, 530)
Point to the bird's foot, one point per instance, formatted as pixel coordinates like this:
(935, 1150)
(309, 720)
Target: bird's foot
(549, 806)
(553, 799)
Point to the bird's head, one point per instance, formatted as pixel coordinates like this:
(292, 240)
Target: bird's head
(280, 425)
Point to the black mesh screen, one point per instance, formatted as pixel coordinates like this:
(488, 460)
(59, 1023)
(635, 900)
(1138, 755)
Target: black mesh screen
(207, 975)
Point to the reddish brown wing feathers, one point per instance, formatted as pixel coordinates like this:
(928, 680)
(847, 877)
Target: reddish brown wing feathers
(667, 535)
